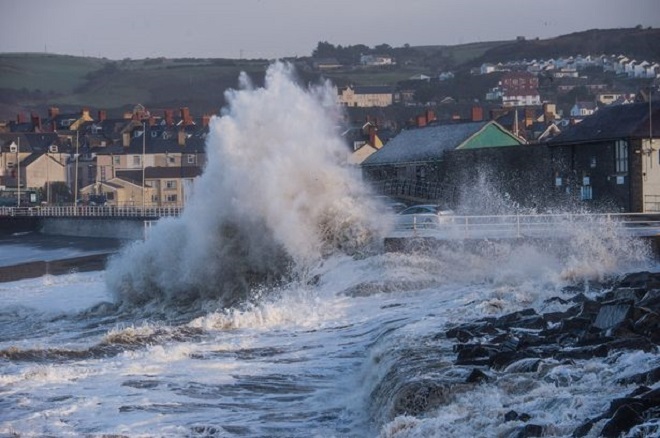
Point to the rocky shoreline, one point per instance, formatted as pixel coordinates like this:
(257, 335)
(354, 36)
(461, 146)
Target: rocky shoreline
(625, 317)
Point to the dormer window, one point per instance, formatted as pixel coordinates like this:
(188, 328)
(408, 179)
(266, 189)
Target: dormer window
(52, 148)
(13, 148)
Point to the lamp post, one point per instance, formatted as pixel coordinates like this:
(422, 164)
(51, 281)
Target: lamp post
(144, 144)
(75, 173)
(18, 165)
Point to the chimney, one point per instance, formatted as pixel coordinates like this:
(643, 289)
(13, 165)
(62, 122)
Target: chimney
(182, 137)
(205, 120)
(421, 121)
(53, 112)
(372, 135)
(36, 122)
(102, 115)
(85, 113)
(169, 117)
(549, 112)
(126, 139)
(477, 113)
(185, 116)
(20, 118)
(529, 117)
(430, 116)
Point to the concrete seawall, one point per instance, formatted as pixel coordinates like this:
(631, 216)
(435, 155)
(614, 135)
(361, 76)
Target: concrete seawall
(129, 229)
(93, 262)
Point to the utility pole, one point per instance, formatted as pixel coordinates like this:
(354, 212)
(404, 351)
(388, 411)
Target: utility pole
(18, 165)
(75, 173)
(144, 146)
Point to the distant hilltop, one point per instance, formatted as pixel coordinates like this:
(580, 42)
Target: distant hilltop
(36, 82)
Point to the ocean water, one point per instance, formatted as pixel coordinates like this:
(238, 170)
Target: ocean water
(270, 308)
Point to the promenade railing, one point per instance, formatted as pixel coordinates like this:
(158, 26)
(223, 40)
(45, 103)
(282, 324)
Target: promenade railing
(91, 211)
(532, 225)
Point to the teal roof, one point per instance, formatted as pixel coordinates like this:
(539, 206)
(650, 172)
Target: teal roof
(429, 143)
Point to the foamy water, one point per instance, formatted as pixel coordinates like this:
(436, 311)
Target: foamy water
(299, 360)
(270, 310)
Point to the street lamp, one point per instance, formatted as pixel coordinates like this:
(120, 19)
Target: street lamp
(144, 144)
(18, 165)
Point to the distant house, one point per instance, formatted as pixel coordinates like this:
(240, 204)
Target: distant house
(32, 162)
(366, 96)
(376, 60)
(610, 159)
(326, 64)
(363, 141)
(519, 89)
(583, 109)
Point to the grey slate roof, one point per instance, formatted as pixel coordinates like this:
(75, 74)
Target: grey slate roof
(612, 122)
(423, 144)
(135, 176)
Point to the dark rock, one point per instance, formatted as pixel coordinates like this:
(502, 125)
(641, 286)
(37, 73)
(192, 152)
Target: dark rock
(474, 354)
(628, 293)
(636, 279)
(651, 300)
(503, 359)
(613, 314)
(510, 416)
(556, 299)
(529, 430)
(527, 365)
(648, 325)
(460, 334)
(477, 376)
(511, 318)
(418, 397)
(584, 353)
(589, 309)
(576, 325)
(639, 391)
(646, 378)
(623, 420)
(583, 429)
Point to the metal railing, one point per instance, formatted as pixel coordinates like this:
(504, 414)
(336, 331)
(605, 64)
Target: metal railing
(91, 211)
(518, 226)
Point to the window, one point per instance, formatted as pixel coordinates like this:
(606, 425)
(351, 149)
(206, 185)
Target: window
(116, 160)
(171, 198)
(171, 159)
(170, 184)
(136, 160)
(103, 173)
(110, 196)
(621, 156)
(191, 159)
(154, 198)
(586, 193)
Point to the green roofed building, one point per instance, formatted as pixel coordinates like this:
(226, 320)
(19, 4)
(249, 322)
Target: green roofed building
(410, 164)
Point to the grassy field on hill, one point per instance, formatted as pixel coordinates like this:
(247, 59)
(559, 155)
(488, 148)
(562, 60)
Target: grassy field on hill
(34, 82)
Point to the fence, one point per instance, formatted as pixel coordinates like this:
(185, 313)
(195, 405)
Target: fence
(91, 211)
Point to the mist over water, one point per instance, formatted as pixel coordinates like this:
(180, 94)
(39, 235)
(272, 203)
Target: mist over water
(276, 197)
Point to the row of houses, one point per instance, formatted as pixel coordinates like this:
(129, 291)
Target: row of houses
(138, 159)
(571, 66)
(609, 161)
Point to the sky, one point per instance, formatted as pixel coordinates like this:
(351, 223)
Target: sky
(137, 29)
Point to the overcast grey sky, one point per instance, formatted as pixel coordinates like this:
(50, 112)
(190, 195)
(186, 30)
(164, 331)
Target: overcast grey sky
(136, 29)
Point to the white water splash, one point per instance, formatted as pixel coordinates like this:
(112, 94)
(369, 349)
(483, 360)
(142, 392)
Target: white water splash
(276, 196)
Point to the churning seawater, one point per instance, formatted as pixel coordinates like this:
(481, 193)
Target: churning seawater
(269, 309)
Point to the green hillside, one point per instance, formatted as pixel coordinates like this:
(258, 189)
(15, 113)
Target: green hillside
(34, 82)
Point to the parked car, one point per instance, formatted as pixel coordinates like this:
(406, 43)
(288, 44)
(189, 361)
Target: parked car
(391, 203)
(423, 216)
